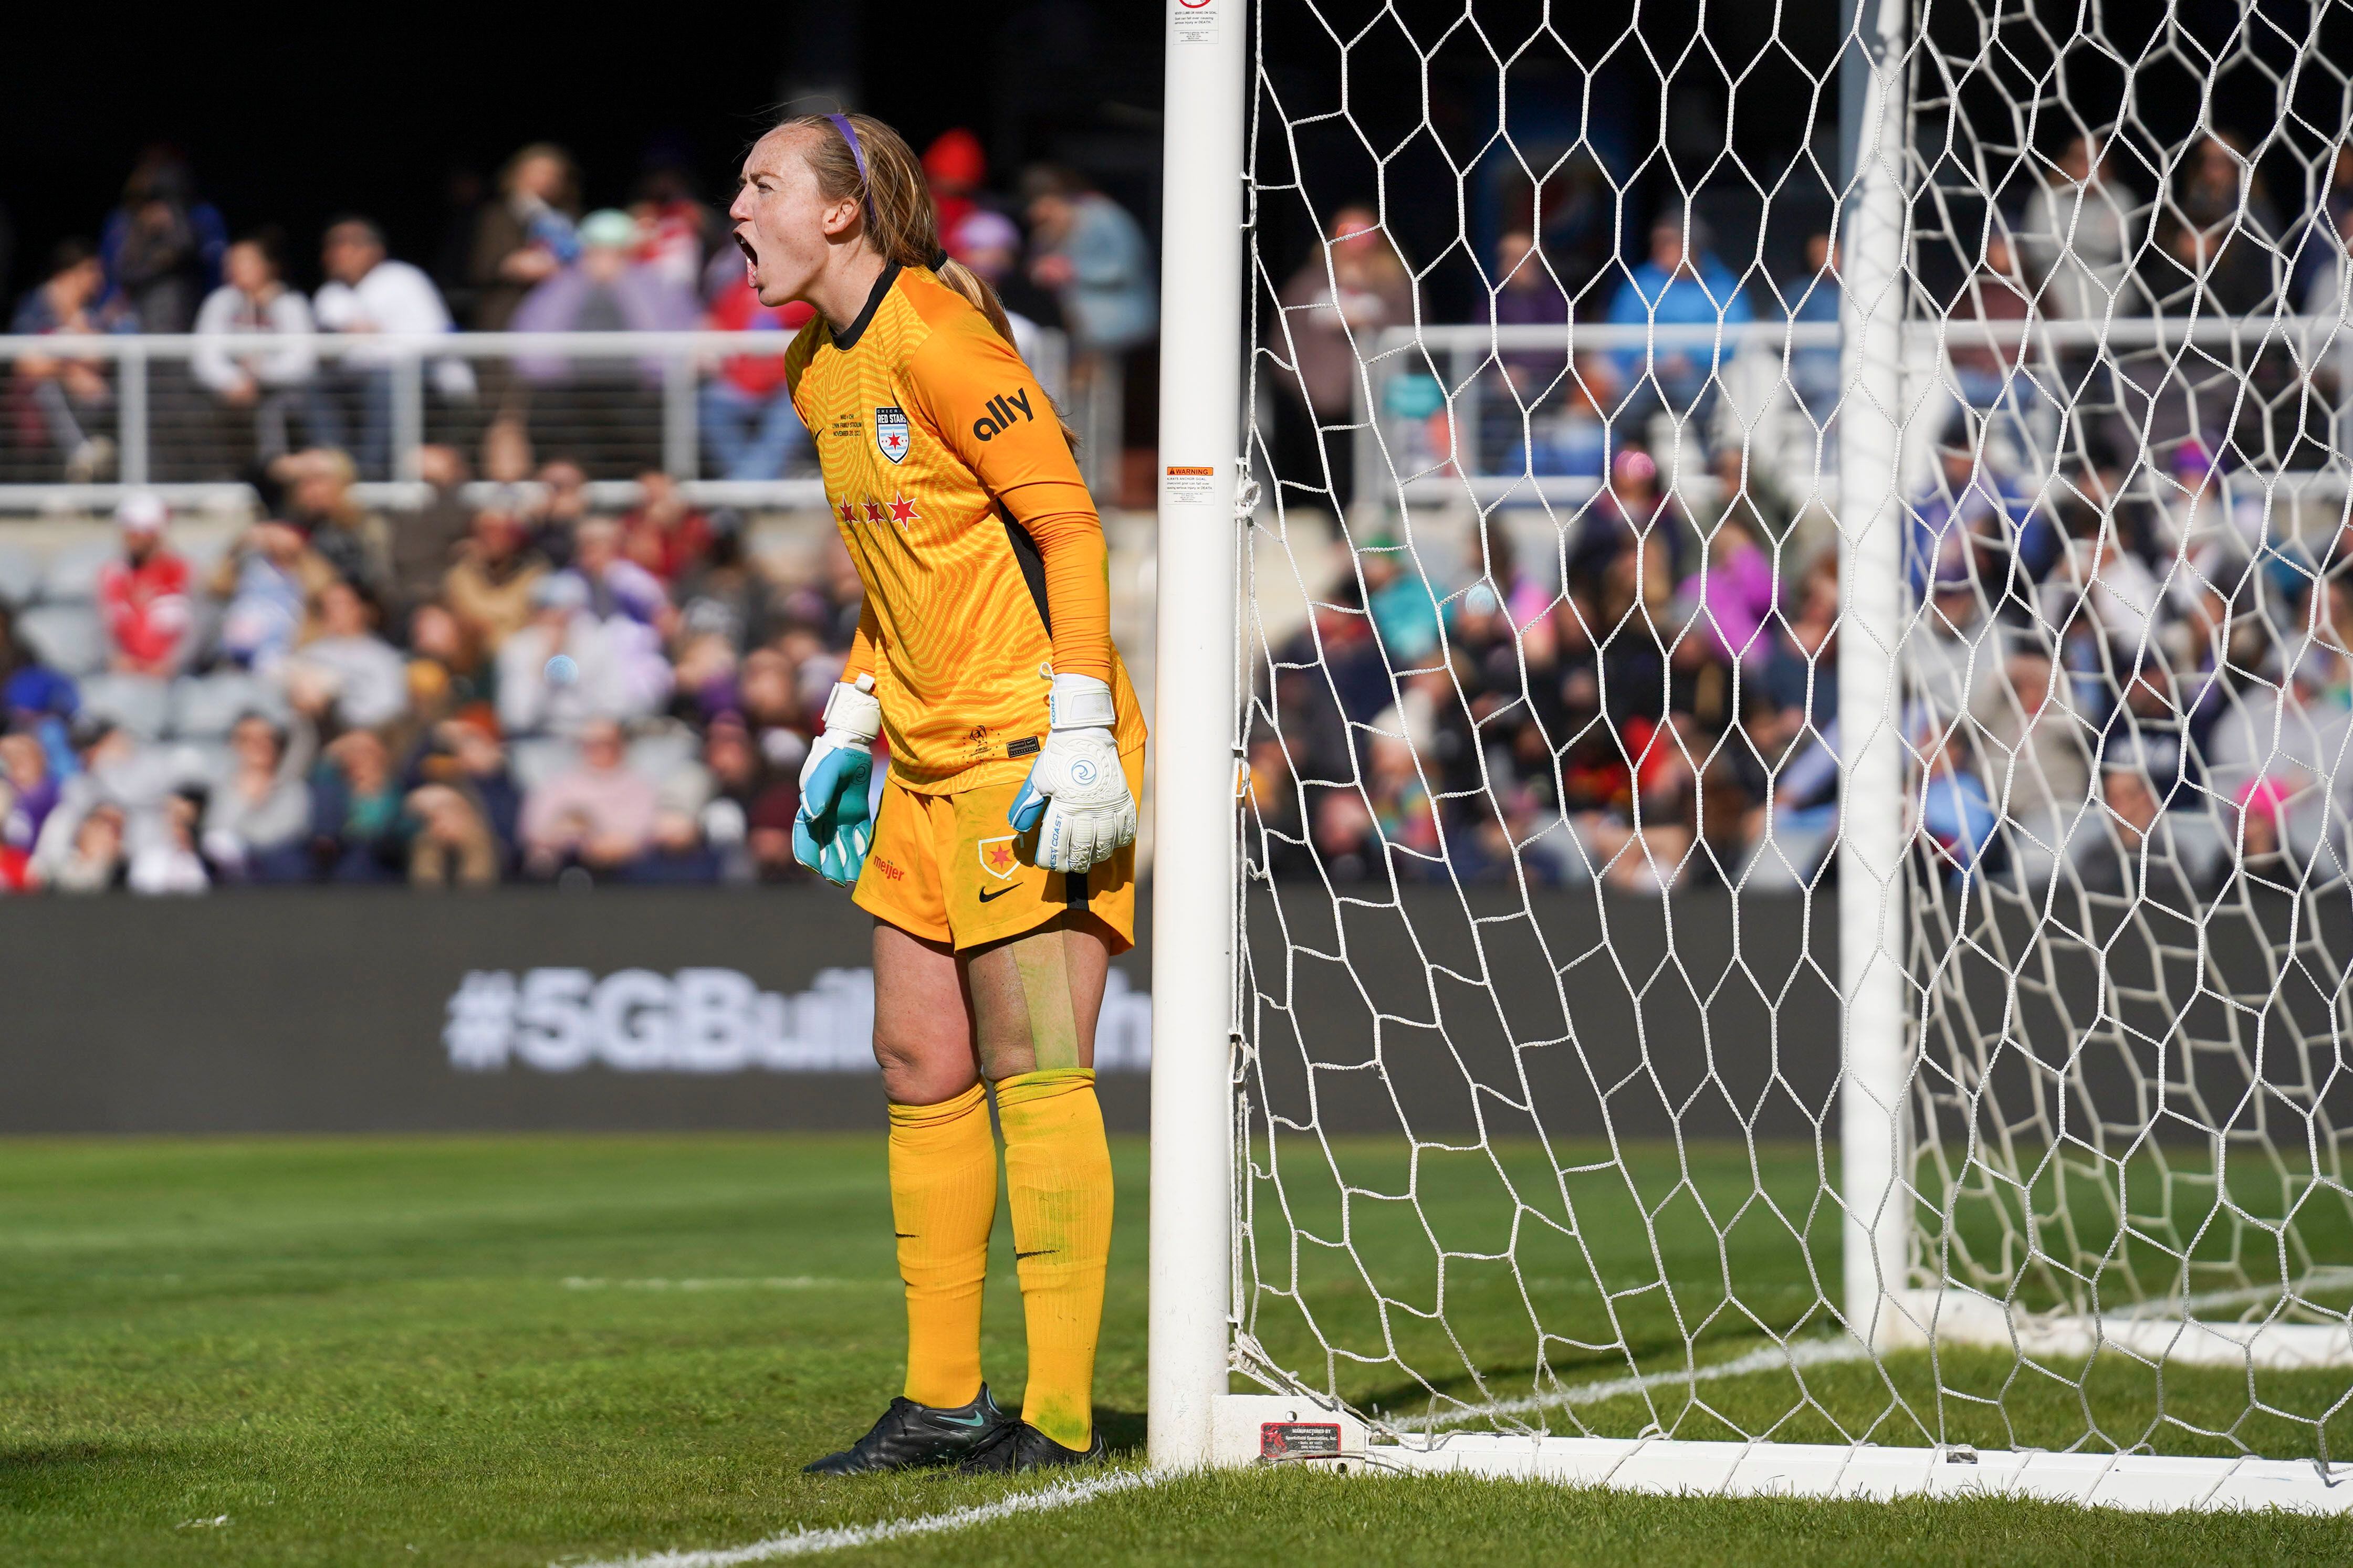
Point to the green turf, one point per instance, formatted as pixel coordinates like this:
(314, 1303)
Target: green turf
(354, 1348)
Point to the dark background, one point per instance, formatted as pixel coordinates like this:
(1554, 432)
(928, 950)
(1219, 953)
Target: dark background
(292, 116)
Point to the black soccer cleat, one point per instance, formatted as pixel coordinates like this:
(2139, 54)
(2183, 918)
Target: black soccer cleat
(1018, 1448)
(911, 1436)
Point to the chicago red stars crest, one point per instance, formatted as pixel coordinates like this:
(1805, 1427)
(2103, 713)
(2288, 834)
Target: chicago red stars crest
(890, 433)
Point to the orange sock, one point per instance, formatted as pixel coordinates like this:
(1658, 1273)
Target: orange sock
(1058, 1176)
(943, 1202)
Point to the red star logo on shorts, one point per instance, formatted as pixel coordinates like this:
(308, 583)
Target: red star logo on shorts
(874, 512)
(848, 512)
(1001, 857)
(904, 510)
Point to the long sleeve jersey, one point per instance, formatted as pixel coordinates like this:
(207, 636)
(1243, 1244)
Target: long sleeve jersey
(982, 555)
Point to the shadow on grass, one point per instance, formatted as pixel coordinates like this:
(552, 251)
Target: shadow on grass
(1123, 1430)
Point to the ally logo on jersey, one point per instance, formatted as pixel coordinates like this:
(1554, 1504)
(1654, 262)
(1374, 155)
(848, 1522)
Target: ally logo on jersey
(1001, 412)
(890, 433)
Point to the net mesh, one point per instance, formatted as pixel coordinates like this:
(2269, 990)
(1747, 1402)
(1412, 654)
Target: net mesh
(1538, 1072)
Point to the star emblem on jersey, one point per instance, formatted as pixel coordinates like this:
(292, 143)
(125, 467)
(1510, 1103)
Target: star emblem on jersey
(904, 510)
(890, 433)
(848, 512)
(997, 858)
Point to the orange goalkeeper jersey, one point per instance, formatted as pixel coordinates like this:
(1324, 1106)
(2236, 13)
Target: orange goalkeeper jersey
(981, 554)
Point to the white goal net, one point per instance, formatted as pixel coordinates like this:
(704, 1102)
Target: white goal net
(1796, 604)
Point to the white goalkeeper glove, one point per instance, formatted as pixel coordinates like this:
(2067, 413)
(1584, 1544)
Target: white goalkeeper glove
(836, 823)
(1076, 796)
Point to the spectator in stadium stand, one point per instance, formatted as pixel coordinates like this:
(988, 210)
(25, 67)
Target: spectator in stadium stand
(676, 853)
(258, 815)
(369, 294)
(267, 582)
(618, 586)
(490, 587)
(2078, 234)
(608, 289)
(1087, 251)
(70, 393)
(357, 833)
(2215, 240)
(346, 672)
(558, 509)
(117, 774)
(1527, 294)
(727, 593)
(956, 167)
(2321, 252)
(452, 846)
(677, 229)
(744, 789)
(598, 814)
(28, 793)
(448, 670)
(35, 700)
(248, 375)
(1974, 526)
(91, 860)
(1344, 294)
(527, 236)
(425, 543)
(1682, 285)
(462, 753)
(163, 245)
(319, 501)
(747, 417)
(143, 594)
(989, 245)
(1986, 337)
(172, 864)
(665, 533)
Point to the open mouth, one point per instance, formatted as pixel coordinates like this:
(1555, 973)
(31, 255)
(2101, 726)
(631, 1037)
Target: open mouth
(751, 257)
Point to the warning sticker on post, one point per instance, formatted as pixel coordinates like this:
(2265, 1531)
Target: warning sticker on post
(1194, 22)
(1189, 485)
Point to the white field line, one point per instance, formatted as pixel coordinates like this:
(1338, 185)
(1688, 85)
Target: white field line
(1767, 1358)
(809, 1543)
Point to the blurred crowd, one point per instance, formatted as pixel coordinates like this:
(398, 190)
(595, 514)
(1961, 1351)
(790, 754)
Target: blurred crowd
(2143, 688)
(2124, 645)
(335, 695)
(2101, 234)
(1066, 258)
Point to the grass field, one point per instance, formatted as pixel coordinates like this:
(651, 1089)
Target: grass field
(536, 1351)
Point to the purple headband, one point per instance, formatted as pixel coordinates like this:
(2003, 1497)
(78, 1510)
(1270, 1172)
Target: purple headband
(849, 134)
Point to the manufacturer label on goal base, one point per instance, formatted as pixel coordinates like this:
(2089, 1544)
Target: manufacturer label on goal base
(1293, 1439)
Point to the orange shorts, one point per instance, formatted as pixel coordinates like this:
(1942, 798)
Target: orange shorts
(950, 869)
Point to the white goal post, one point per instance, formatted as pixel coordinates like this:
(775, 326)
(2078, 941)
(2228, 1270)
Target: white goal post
(1860, 1009)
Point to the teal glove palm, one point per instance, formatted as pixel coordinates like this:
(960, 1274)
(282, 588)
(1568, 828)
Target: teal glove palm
(835, 824)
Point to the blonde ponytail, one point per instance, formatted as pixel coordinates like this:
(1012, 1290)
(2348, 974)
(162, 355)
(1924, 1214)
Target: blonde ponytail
(902, 222)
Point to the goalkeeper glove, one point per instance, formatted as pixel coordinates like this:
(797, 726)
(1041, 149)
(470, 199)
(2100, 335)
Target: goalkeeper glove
(1076, 796)
(836, 822)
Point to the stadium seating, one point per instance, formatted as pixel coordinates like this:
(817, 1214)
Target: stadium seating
(66, 635)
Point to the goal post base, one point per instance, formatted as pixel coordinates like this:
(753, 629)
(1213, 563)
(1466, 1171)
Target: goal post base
(1268, 1430)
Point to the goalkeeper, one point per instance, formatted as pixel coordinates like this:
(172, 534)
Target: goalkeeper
(999, 865)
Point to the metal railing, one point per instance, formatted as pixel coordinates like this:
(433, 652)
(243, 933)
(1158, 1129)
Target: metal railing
(1435, 423)
(83, 418)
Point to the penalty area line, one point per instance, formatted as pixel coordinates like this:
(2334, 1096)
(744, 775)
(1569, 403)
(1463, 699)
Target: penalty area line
(808, 1543)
